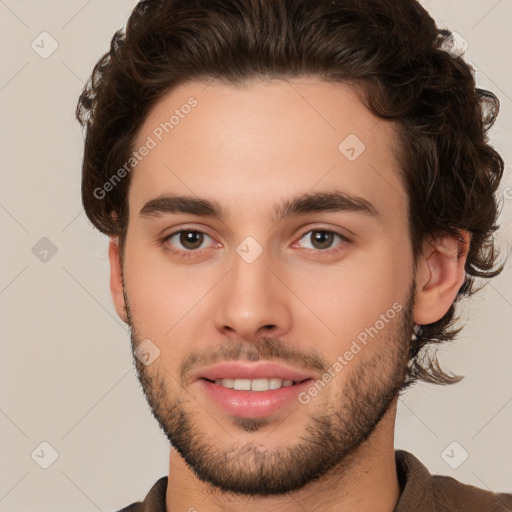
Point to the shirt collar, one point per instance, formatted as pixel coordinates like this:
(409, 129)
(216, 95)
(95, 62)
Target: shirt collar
(414, 478)
(416, 484)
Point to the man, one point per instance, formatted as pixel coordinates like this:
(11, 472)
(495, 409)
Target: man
(297, 193)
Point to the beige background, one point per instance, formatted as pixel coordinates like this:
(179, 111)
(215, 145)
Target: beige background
(66, 370)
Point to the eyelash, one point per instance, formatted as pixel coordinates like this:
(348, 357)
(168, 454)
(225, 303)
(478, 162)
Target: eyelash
(194, 252)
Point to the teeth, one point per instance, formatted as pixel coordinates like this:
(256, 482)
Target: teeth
(242, 385)
(259, 385)
(275, 383)
(227, 383)
(255, 384)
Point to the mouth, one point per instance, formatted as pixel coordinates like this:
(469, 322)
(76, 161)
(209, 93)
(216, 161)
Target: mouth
(259, 385)
(259, 376)
(252, 390)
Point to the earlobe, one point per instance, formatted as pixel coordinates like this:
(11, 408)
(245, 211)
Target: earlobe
(116, 278)
(439, 276)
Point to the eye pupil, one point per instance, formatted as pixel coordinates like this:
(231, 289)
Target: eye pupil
(322, 238)
(191, 239)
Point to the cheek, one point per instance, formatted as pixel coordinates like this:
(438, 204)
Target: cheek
(165, 298)
(346, 298)
(164, 310)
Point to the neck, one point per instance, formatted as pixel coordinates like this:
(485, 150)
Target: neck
(364, 481)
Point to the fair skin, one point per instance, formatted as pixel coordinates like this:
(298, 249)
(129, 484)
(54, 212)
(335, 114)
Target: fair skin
(249, 148)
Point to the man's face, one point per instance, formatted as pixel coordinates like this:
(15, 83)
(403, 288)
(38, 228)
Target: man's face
(302, 288)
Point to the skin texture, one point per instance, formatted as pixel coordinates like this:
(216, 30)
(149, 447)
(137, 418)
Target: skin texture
(249, 148)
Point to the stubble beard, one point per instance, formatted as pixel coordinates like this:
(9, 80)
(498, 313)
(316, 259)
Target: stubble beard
(328, 441)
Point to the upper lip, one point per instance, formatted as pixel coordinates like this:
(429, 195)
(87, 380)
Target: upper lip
(251, 371)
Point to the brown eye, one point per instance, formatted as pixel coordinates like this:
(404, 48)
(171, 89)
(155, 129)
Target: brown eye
(191, 239)
(321, 240)
(187, 240)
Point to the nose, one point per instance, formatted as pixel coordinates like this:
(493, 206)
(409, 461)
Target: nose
(252, 302)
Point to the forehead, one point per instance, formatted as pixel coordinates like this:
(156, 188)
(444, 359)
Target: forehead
(262, 141)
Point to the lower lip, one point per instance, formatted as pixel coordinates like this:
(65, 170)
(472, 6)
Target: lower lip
(253, 404)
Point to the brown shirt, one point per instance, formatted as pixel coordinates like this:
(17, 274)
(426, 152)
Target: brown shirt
(421, 492)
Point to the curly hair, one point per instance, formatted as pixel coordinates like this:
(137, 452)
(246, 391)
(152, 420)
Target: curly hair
(390, 51)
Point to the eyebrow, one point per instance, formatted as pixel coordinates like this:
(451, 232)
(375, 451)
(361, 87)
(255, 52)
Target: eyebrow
(335, 201)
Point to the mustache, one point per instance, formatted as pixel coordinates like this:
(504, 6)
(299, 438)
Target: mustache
(267, 348)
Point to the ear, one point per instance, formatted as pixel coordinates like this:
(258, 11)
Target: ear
(439, 275)
(116, 278)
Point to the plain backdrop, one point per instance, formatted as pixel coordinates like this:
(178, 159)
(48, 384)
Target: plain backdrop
(66, 372)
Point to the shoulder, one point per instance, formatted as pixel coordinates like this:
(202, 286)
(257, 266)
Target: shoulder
(154, 500)
(450, 494)
(134, 507)
(423, 492)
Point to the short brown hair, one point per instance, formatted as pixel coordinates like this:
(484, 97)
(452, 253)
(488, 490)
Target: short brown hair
(390, 51)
